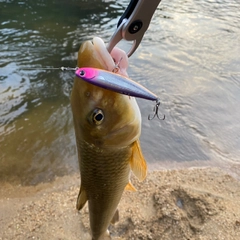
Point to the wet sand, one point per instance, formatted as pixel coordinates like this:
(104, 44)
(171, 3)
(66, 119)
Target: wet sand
(198, 203)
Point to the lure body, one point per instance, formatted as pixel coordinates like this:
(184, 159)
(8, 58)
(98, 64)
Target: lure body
(115, 82)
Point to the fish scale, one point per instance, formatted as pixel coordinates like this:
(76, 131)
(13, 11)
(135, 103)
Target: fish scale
(104, 180)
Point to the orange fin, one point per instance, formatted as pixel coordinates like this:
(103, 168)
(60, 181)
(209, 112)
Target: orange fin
(115, 217)
(137, 162)
(130, 187)
(82, 199)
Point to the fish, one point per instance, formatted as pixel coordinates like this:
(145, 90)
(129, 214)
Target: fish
(115, 82)
(107, 129)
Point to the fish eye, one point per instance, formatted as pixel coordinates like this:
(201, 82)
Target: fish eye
(97, 116)
(82, 73)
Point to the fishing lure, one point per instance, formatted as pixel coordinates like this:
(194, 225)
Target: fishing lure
(119, 84)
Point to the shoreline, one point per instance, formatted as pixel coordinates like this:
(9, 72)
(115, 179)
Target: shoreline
(194, 203)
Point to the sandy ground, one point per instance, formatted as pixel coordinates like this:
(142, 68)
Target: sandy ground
(201, 203)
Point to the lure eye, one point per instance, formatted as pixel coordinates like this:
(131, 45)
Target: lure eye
(97, 116)
(82, 73)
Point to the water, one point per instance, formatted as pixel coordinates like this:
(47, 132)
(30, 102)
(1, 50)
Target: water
(189, 57)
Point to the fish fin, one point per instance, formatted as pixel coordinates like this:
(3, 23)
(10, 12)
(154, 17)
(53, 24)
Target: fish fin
(137, 162)
(82, 199)
(115, 217)
(130, 187)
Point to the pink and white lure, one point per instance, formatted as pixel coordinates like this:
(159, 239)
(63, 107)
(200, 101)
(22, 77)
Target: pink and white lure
(115, 82)
(119, 84)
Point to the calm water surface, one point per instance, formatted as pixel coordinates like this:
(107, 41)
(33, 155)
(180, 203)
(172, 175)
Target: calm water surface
(190, 57)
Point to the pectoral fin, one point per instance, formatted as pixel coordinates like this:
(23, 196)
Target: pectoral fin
(82, 199)
(130, 187)
(115, 217)
(137, 162)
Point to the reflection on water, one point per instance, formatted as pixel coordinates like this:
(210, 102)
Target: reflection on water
(189, 57)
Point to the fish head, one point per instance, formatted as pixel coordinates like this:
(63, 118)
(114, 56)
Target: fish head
(102, 117)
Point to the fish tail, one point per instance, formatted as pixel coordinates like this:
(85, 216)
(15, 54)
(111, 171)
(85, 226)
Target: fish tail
(82, 199)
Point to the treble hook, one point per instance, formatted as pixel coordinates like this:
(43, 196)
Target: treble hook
(155, 110)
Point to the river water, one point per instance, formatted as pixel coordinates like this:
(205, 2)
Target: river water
(190, 57)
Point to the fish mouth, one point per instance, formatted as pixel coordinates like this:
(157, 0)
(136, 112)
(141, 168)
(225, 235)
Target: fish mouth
(117, 59)
(102, 52)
